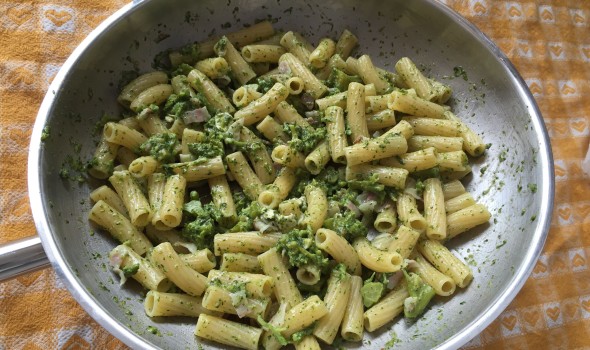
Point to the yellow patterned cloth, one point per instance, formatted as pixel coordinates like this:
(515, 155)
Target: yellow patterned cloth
(547, 40)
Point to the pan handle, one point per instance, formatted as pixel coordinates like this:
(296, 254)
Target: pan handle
(21, 256)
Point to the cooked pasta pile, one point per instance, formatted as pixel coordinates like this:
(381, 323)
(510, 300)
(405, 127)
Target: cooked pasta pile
(283, 193)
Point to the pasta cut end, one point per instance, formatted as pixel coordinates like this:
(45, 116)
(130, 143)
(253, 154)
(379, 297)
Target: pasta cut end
(98, 173)
(341, 159)
(239, 97)
(171, 220)
(478, 150)
(384, 226)
(247, 54)
(150, 303)
(279, 154)
(417, 224)
(295, 86)
(307, 277)
(352, 336)
(464, 282)
(211, 257)
(267, 287)
(320, 238)
(313, 167)
(447, 288)
(396, 259)
(142, 219)
(268, 199)
(369, 326)
(108, 131)
(160, 226)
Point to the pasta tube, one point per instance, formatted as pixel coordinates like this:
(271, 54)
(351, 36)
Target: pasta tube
(376, 259)
(317, 205)
(355, 118)
(119, 227)
(187, 279)
(336, 299)
(466, 219)
(352, 324)
(387, 309)
(336, 133)
(446, 262)
(124, 260)
(137, 205)
(158, 304)
(434, 210)
(339, 248)
(228, 332)
(258, 109)
(243, 242)
(284, 286)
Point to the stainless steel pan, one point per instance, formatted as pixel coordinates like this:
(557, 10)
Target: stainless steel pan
(502, 253)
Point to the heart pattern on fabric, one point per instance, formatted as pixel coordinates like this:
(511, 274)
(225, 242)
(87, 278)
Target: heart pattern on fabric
(58, 17)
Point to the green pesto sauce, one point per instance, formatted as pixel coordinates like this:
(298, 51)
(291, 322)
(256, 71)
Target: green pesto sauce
(300, 248)
(163, 147)
(45, 133)
(129, 271)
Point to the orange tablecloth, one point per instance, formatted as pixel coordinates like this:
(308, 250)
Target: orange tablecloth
(547, 40)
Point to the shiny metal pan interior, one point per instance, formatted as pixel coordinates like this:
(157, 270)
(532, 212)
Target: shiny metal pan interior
(492, 98)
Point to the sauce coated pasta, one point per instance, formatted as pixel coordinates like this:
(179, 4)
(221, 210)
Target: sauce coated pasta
(284, 193)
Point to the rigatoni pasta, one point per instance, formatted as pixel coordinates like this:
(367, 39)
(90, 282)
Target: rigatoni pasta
(247, 182)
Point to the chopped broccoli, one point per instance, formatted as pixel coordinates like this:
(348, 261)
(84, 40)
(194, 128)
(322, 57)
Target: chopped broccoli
(300, 247)
(45, 133)
(177, 104)
(163, 147)
(344, 196)
(304, 139)
(419, 187)
(427, 173)
(256, 216)
(333, 91)
(129, 271)
(247, 216)
(339, 271)
(273, 221)
(332, 180)
(304, 179)
(369, 184)
(246, 147)
(346, 225)
(372, 290)
(217, 126)
(264, 84)
(202, 228)
(182, 69)
(220, 46)
(209, 149)
(240, 200)
(340, 80)
(420, 295)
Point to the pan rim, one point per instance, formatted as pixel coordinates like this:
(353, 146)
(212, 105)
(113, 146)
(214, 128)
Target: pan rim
(465, 334)
(61, 268)
(501, 302)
